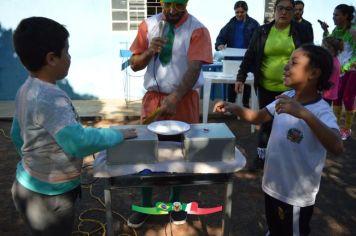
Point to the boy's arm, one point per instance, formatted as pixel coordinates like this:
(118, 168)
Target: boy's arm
(80, 142)
(251, 116)
(56, 114)
(16, 135)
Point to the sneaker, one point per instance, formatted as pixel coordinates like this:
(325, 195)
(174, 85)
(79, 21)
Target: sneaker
(345, 133)
(178, 217)
(256, 165)
(137, 219)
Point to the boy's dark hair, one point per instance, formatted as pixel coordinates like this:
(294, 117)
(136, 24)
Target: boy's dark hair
(299, 3)
(337, 44)
(320, 58)
(35, 37)
(241, 4)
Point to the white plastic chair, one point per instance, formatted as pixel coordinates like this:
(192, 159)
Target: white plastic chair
(125, 55)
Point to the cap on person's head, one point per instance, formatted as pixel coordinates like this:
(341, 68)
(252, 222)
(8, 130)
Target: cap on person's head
(175, 1)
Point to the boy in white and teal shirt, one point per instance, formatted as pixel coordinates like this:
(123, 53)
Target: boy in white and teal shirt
(47, 132)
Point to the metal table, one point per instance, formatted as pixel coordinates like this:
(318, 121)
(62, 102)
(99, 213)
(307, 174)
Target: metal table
(181, 173)
(167, 179)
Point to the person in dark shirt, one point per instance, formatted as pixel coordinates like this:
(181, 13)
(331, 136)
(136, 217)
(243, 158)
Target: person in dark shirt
(298, 17)
(237, 33)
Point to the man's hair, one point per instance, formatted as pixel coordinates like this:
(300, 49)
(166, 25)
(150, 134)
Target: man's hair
(241, 4)
(299, 3)
(35, 37)
(320, 58)
(278, 1)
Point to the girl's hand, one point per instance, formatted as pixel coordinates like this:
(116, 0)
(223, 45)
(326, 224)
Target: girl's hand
(223, 107)
(129, 133)
(290, 106)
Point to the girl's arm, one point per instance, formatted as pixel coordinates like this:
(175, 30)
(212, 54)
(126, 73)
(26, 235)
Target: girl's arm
(329, 138)
(251, 116)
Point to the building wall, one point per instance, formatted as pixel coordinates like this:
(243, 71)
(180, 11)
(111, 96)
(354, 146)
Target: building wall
(12, 73)
(96, 64)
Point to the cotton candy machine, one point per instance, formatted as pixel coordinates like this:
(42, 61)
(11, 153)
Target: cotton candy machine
(142, 149)
(173, 140)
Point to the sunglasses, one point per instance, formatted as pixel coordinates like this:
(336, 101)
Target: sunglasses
(172, 5)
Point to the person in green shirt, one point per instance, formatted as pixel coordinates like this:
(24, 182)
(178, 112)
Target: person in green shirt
(267, 54)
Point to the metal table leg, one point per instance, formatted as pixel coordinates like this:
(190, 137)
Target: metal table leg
(228, 205)
(108, 210)
(175, 180)
(206, 99)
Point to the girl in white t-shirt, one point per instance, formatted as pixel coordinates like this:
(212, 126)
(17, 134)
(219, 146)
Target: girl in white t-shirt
(304, 128)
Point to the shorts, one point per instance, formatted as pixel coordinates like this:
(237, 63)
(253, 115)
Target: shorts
(44, 214)
(287, 220)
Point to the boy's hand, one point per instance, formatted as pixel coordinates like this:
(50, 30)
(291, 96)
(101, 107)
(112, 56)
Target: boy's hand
(129, 133)
(223, 107)
(290, 106)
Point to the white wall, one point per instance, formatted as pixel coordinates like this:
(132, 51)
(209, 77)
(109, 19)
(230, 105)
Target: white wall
(96, 65)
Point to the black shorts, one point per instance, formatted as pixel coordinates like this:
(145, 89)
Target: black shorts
(287, 220)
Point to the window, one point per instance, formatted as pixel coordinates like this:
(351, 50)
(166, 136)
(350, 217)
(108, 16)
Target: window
(153, 7)
(128, 14)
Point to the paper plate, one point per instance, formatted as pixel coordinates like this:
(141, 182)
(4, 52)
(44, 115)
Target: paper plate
(168, 127)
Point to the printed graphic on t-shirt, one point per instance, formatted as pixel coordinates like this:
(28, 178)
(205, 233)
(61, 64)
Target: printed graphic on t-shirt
(294, 135)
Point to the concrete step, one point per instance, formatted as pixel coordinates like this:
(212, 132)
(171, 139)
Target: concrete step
(105, 109)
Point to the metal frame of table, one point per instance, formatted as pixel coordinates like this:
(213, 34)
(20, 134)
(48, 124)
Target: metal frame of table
(168, 179)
